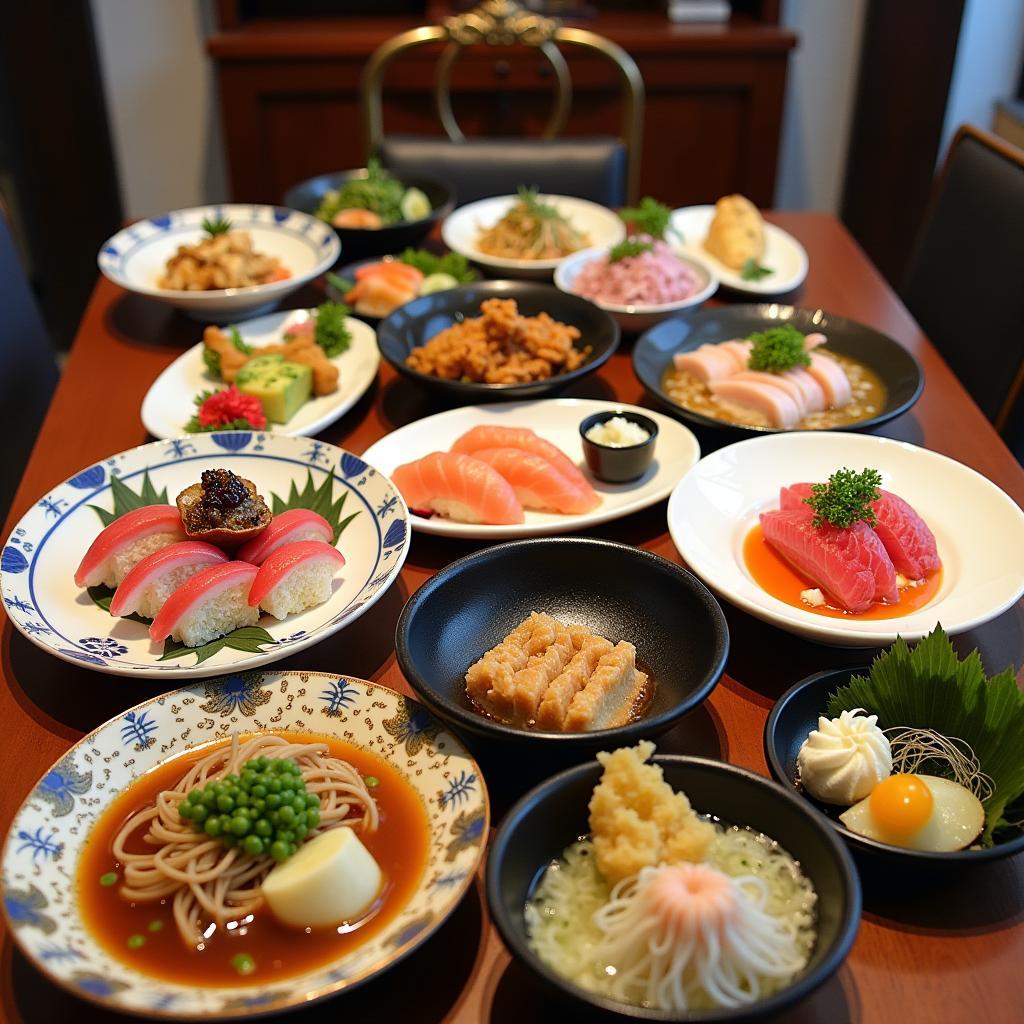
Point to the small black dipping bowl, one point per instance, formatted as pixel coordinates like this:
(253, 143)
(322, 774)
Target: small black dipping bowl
(357, 243)
(551, 817)
(795, 714)
(618, 464)
(618, 591)
(418, 321)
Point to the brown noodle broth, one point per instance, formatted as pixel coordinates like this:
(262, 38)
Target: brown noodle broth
(869, 398)
(399, 846)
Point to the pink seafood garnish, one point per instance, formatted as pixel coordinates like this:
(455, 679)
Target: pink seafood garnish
(648, 279)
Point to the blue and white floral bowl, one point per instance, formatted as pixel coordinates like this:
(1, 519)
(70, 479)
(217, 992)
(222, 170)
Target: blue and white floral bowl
(136, 257)
(38, 559)
(49, 832)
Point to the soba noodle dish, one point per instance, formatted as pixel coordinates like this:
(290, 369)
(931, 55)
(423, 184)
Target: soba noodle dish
(660, 907)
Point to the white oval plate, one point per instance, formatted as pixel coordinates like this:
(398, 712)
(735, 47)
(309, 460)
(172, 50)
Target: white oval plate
(556, 420)
(39, 558)
(462, 228)
(168, 404)
(48, 834)
(786, 257)
(978, 528)
(135, 258)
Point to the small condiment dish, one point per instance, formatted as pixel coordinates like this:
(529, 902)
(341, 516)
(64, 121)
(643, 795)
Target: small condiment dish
(619, 463)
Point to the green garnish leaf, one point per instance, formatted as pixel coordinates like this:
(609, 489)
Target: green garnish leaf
(778, 349)
(342, 284)
(530, 198)
(238, 341)
(931, 688)
(649, 218)
(378, 191)
(248, 639)
(753, 271)
(846, 498)
(452, 263)
(102, 596)
(630, 247)
(220, 226)
(212, 357)
(125, 499)
(331, 331)
(316, 499)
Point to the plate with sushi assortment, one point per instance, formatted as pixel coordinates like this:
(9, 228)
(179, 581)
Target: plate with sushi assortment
(517, 469)
(672, 888)
(919, 756)
(330, 846)
(744, 251)
(849, 539)
(204, 554)
(294, 373)
(756, 369)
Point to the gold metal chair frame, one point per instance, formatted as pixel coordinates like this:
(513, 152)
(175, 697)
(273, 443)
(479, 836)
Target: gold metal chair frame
(505, 23)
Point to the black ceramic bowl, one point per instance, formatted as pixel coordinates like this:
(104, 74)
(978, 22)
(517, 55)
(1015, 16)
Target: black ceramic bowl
(357, 243)
(621, 592)
(898, 369)
(418, 321)
(791, 720)
(552, 816)
(618, 464)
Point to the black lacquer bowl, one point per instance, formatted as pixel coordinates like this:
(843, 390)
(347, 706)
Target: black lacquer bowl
(551, 817)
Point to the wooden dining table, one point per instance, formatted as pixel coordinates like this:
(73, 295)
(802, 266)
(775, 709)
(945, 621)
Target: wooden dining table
(943, 947)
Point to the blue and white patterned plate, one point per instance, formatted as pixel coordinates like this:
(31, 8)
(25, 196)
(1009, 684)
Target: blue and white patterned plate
(136, 257)
(49, 831)
(39, 558)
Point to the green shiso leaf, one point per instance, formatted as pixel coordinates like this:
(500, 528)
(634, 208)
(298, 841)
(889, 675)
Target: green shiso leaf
(930, 688)
(102, 596)
(316, 499)
(125, 499)
(249, 639)
(753, 271)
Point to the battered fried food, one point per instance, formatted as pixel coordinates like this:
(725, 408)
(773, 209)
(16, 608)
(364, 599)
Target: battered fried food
(301, 348)
(736, 233)
(225, 260)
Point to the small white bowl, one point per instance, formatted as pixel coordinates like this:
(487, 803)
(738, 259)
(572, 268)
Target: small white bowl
(461, 230)
(640, 316)
(978, 528)
(136, 257)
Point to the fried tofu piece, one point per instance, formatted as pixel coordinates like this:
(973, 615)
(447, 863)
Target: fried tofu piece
(610, 693)
(532, 682)
(736, 233)
(555, 703)
(490, 680)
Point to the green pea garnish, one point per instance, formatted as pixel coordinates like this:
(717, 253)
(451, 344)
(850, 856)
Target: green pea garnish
(243, 963)
(136, 941)
(156, 925)
(109, 879)
(371, 781)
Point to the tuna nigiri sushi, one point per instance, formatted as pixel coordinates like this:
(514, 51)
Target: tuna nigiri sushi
(210, 604)
(296, 576)
(537, 483)
(460, 487)
(126, 541)
(145, 589)
(293, 525)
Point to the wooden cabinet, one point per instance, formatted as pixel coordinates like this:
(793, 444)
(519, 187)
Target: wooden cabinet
(289, 92)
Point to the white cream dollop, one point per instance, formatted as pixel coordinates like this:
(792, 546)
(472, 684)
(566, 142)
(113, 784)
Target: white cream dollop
(842, 760)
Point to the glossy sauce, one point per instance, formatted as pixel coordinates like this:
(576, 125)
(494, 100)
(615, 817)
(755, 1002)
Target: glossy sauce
(399, 846)
(775, 575)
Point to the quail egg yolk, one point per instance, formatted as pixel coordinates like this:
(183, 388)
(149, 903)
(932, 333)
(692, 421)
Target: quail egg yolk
(901, 804)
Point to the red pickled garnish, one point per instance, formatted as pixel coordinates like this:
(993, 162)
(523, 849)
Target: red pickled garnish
(223, 408)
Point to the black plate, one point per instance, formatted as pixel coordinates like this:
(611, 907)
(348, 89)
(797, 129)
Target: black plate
(898, 369)
(357, 243)
(550, 817)
(418, 321)
(621, 592)
(789, 724)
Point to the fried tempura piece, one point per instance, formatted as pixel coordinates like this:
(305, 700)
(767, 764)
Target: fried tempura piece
(302, 348)
(532, 682)
(736, 233)
(638, 820)
(608, 697)
(231, 360)
(496, 669)
(556, 700)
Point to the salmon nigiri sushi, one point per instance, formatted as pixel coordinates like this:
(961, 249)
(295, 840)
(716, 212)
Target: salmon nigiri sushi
(295, 577)
(126, 541)
(537, 483)
(293, 525)
(210, 604)
(145, 589)
(459, 487)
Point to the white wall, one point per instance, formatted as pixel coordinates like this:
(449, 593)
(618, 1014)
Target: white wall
(820, 92)
(161, 103)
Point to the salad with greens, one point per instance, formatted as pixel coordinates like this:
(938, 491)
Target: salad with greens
(374, 201)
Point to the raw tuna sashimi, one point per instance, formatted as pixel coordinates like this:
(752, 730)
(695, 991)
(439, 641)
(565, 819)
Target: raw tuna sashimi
(537, 483)
(145, 589)
(295, 577)
(210, 604)
(850, 565)
(460, 487)
(293, 525)
(126, 541)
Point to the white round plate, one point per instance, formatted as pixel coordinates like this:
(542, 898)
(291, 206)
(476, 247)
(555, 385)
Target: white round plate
(640, 316)
(135, 258)
(783, 254)
(49, 831)
(168, 404)
(460, 231)
(39, 558)
(979, 529)
(556, 420)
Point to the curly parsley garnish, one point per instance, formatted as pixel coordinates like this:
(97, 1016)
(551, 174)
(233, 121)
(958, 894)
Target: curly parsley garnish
(220, 226)
(331, 331)
(649, 218)
(753, 271)
(778, 349)
(846, 498)
(630, 247)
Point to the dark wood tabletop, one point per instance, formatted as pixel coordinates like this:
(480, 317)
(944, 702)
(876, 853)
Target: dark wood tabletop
(930, 948)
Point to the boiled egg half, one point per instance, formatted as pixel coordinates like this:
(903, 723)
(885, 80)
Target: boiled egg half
(918, 812)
